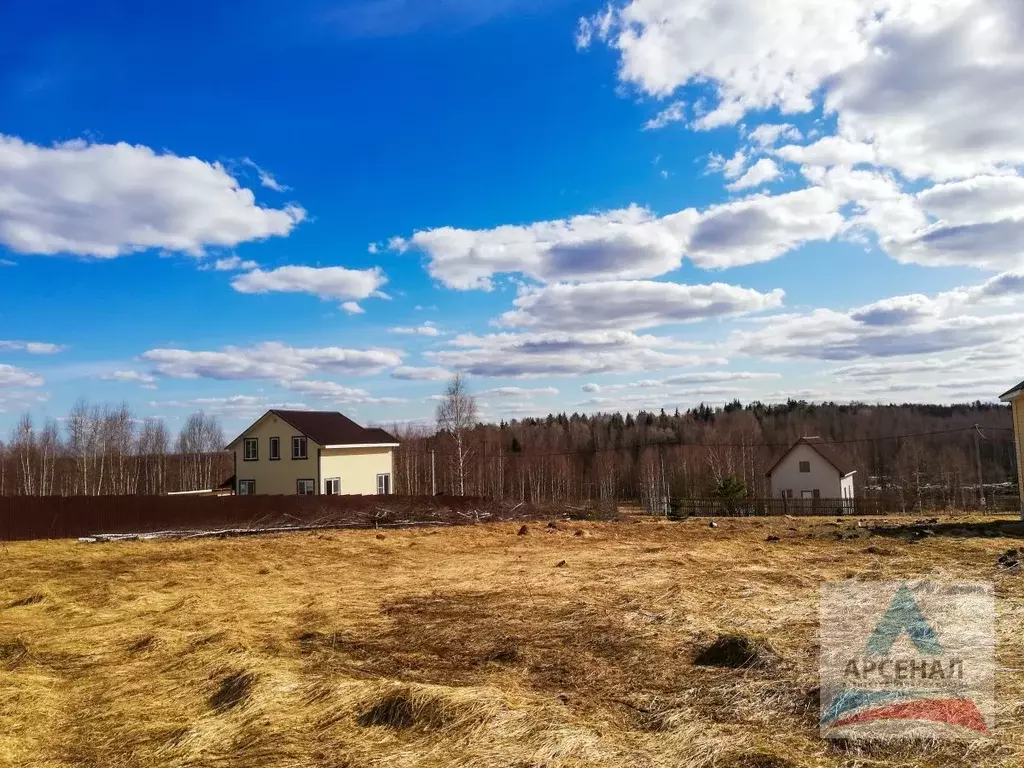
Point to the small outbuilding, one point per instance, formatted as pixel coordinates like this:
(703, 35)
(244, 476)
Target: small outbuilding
(812, 469)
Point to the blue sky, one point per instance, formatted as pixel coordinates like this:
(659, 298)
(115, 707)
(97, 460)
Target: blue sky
(583, 206)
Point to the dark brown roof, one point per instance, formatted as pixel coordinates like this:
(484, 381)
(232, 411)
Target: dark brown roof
(333, 428)
(1012, 391)
(842, 464)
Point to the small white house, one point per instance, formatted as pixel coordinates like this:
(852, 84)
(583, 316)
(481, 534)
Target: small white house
(811, 469)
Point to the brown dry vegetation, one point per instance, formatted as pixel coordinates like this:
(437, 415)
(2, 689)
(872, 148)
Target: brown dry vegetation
(460, 647)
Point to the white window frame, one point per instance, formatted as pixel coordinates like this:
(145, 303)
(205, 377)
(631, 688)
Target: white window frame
(270, 449)
(381, 481)
(255, 442)
(806, 495)
(249, 484)
(297, 441)
(305, 487)
(804, 464)
(336, 481)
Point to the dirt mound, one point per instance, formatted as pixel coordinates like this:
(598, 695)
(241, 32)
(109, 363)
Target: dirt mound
(737, 651)
(427, 708)
(13, 653)
(1010, 560)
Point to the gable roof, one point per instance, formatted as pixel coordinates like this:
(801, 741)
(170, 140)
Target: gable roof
(329, 428)
(842, 464)
(1012, 393)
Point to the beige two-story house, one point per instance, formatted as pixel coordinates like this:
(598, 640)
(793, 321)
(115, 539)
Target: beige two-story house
(311, 453)
(1015, 397)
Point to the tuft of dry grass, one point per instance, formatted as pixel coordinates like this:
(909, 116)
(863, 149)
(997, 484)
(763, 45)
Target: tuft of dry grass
(465, 647)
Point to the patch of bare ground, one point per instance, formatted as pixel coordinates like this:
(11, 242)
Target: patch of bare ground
(657, 644)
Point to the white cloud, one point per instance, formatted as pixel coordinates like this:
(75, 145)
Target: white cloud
(270, 360)
(353, 308)
(427, 329)
(327, 283)
(107, 200)
(908, 77)
(429, 373)
(519, 392)
(33, 347)
(768, 134)
(141, 378)
(961, 319)
(234, 264)
(631, 305)
(266, 179)
(10, 376)
(515, 355)
(234, 406)
(828, 151)
(731, 168)
(336, 393)
(632, 243)
(761, 172)
(699, 378)
(673, 113)
(989, 199)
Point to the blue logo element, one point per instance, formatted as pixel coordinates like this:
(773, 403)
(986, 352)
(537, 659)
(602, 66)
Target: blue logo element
(903, 614)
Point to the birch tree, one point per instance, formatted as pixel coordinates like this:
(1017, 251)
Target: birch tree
(456, 417)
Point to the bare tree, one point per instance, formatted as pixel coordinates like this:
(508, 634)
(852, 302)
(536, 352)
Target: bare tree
(199, 442)
(456, 416)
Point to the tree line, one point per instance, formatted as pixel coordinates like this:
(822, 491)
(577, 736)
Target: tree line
(701, 452)
(105, 450)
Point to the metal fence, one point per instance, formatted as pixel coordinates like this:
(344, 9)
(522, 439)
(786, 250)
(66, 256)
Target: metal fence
(57, 517)
(829, 507)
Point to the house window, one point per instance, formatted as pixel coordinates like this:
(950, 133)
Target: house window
(383, 484)
(805, 466)
(332, 486)
(298, 447)
(817, 493)
(275, 449)
(806, 494)
(306, 487)
(246, 487)
(252, 449)
(788, 493)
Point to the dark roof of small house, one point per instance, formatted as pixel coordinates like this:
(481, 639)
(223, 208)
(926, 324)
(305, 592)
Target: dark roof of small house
(333, 428)
(842, 464)
(1012, 391)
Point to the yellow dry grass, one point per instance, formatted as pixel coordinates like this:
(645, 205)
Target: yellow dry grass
(455, 647)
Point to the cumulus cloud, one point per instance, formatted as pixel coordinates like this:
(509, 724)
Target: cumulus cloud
(336, 393)
(427, 373)
(11, 376)
(761, 172)
(518, 392)
(960, 319)
(107, 200)
(136, 376)
(769, 134)
(673, 113)
(269, 360)
(907, 77)
(352, 308)
(515, 355)
(632, 243)
(631, 304)
(33, 347)
(327, 283)
(426, 329)
(828, 151)
(234, 406)
(234, 264)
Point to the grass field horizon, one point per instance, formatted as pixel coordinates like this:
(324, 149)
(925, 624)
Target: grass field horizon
(572, 645)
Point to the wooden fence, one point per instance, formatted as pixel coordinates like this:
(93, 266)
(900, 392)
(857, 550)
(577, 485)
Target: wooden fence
(829, 507)
(58, 517)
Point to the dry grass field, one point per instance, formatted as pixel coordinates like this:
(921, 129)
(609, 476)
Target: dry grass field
(468, 646)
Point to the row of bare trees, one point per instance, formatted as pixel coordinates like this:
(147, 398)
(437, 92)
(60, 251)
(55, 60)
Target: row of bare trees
(646, 457)
(106, 450)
